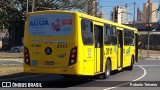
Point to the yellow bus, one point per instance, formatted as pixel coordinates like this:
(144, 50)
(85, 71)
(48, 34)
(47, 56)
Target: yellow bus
(73, 43)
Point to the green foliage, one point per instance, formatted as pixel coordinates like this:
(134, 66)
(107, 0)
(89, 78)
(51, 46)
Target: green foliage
(9, 15)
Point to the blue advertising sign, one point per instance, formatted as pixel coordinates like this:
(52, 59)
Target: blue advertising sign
(50, 24)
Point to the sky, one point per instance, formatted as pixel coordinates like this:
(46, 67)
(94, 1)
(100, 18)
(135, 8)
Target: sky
(107, 6)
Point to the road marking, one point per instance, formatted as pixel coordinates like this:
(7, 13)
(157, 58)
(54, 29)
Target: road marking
(147, 65)
(10, 64)
(18, 60)
(144, 74)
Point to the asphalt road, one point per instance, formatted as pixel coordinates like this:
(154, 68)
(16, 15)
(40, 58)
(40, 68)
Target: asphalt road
(145, 70)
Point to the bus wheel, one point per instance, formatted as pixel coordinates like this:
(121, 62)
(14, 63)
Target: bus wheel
(131, 66)
(107, 70)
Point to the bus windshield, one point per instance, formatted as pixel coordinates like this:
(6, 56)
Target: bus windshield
(50, 25)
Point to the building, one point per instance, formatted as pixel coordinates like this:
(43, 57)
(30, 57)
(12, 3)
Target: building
(139, 15)
(147, 9)
(120, 14)
(102, 14)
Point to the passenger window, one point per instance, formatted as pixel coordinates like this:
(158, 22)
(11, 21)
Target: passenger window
(128, 37)
(87, 34)
(114, 35)
(107, 37)
(110, 35)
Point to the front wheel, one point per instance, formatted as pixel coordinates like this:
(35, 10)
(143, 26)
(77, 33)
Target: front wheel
(107, 70)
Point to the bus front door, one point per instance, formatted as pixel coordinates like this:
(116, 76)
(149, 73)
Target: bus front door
(120, 49)
(98, 32)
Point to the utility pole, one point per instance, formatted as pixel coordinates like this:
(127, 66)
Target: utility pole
(33, 6)
(134, 14)
(159, 12)
(96, 4)
(27, 6)
(126, 6)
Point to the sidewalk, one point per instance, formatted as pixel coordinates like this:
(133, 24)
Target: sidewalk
(151, 56)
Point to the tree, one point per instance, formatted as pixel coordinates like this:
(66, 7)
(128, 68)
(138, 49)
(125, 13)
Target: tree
(8, 14)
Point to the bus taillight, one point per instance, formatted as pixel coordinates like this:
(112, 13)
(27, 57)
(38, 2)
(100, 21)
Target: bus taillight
(73, 56)
(26, 56)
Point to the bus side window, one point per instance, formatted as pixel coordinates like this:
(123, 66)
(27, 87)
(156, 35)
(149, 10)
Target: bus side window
(114, 35)
(128, 37)
(107, 35)
(87, 32)
(132, 38)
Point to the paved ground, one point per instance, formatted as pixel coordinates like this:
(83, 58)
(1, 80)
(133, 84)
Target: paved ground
(145, 70)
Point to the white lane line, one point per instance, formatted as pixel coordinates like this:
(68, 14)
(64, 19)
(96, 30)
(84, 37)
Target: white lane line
(10, 64)
(147, 65)
(18, 60)
(144, 74)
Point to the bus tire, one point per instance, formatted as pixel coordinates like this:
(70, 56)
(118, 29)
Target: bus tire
(131, 66)
(107, 72)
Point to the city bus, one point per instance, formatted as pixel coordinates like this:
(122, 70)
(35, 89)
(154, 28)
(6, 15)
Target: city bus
(73, 43)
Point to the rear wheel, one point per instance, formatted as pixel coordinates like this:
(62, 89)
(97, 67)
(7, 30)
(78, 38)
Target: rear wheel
(107, 70)
(131, 66)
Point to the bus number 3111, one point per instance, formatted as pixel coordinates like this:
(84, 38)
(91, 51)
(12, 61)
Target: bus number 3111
(61, 46)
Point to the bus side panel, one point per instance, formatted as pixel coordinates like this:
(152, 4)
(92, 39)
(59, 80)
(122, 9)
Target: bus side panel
(85, 54)
(80, 53)
(88, 60)
(114, 57)
(110, 52)
(127, 56)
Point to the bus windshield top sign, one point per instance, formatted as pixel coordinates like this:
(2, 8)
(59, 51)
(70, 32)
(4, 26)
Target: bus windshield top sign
(50, 24)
